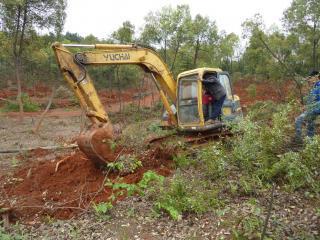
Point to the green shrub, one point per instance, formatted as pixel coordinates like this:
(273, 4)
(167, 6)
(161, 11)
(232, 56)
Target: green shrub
(185, 195)
(102, 208)
(28, 105)
(259, 144)
(213, 161)
(149, 178)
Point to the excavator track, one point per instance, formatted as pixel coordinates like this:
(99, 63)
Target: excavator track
(194, 138)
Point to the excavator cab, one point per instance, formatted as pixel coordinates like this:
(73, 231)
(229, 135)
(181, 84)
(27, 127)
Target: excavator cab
(189, 100)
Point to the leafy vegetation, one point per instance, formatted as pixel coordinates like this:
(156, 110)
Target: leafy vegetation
(28, 105)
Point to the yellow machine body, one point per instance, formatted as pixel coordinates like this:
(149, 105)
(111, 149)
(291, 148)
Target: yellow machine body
(73, 67)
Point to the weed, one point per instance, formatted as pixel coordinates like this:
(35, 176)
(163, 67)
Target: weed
(102, 208)
(149, 178)
(129, 188)
(116, 166)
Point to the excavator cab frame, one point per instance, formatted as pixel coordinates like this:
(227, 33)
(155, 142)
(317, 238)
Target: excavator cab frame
(189, 100)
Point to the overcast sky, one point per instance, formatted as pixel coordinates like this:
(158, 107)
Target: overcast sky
(102, 17)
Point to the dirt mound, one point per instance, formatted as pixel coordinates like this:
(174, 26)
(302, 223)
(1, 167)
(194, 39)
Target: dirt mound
(37, 190)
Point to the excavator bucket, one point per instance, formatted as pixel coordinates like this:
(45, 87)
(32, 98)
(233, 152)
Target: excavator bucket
(96, 144)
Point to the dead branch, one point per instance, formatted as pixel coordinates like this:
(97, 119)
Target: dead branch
(60, 162)
(34, 148)
(268, 213)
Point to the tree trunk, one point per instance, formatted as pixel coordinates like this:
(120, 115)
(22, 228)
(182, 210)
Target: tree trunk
(196, 53)
(314, 48)
(175, 56)
(165, 50)
(18, 79)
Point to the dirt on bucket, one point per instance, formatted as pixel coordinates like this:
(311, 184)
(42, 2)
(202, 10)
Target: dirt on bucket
(38, 190)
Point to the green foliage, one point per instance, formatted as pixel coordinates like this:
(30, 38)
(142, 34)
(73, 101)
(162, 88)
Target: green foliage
(213, 160)
(258, 145)
(180, 197)
(4, 235)
(126, 163)
(116, 166)
(291, 169)
(102, 208)
(129, 188)
(149, 182)
(28, 105)
(149, 178)
(182, 160)
(154, 127)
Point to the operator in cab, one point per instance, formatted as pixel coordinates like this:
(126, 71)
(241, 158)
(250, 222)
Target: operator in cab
(218, 94)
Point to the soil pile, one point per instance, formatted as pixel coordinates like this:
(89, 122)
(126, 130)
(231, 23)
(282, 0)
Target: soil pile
(37, 190)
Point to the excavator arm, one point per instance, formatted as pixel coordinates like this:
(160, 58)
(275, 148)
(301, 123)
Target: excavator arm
(95, 141)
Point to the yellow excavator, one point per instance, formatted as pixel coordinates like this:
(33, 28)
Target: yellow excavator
(182, 98)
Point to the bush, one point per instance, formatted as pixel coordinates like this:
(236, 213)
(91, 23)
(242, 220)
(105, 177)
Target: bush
(185, 195)
(213, 161)
(28, 105)
(291, 169)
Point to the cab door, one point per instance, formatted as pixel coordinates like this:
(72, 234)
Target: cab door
(231, 106)
(188, 100)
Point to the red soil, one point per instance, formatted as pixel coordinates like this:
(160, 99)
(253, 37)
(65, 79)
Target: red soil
(264, 91)
(36, 190)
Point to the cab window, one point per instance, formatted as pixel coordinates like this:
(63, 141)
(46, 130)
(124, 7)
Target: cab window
(225, 82)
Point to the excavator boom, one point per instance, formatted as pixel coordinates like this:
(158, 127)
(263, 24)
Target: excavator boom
(95, 142)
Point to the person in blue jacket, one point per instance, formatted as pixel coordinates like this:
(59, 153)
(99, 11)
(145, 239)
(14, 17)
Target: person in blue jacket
(312, 110)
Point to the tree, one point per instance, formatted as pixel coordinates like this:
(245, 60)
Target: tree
(124, 34)
(167, 29)
(203, 32)
(303, 17)
(19, 18)
(227, 45)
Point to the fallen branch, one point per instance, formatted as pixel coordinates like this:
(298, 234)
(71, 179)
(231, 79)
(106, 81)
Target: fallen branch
(264, 231)
(34, 148)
